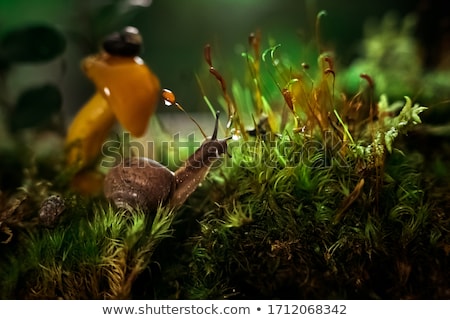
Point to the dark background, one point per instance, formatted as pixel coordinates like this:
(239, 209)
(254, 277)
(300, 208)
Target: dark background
(175, 33)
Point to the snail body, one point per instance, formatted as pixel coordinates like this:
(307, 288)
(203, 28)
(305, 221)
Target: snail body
(146, 184)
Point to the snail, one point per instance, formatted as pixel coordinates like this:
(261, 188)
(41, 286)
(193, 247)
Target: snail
(146, 184)
(50, 211)
(127, 91)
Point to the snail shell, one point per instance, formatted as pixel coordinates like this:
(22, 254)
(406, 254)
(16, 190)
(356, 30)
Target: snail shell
(50, 210)
(139, 183)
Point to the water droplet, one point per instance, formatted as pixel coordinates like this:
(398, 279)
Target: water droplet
(106, 91)
(168, 97)
(230, 121)
(138, 60)
(236, 134)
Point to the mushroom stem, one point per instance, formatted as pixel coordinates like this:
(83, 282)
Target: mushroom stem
(88, 131)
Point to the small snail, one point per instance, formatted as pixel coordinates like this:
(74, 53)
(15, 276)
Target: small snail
(50, 211)
(146, 184)
(127, 91)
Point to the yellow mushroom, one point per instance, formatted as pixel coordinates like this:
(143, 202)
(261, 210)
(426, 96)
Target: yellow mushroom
(126, 91)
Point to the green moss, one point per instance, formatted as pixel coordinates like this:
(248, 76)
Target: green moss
(97, 255)
(275, 234)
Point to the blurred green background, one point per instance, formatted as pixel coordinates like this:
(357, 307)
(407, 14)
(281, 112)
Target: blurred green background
(176, 31)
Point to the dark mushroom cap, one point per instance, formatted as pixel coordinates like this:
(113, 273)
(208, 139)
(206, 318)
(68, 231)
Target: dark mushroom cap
(126, 43)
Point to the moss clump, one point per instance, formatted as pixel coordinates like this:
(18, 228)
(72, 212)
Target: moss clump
(97, 255)
(313, 231)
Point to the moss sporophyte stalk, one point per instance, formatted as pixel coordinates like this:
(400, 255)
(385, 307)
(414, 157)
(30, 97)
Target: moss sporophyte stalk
(318, 199)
